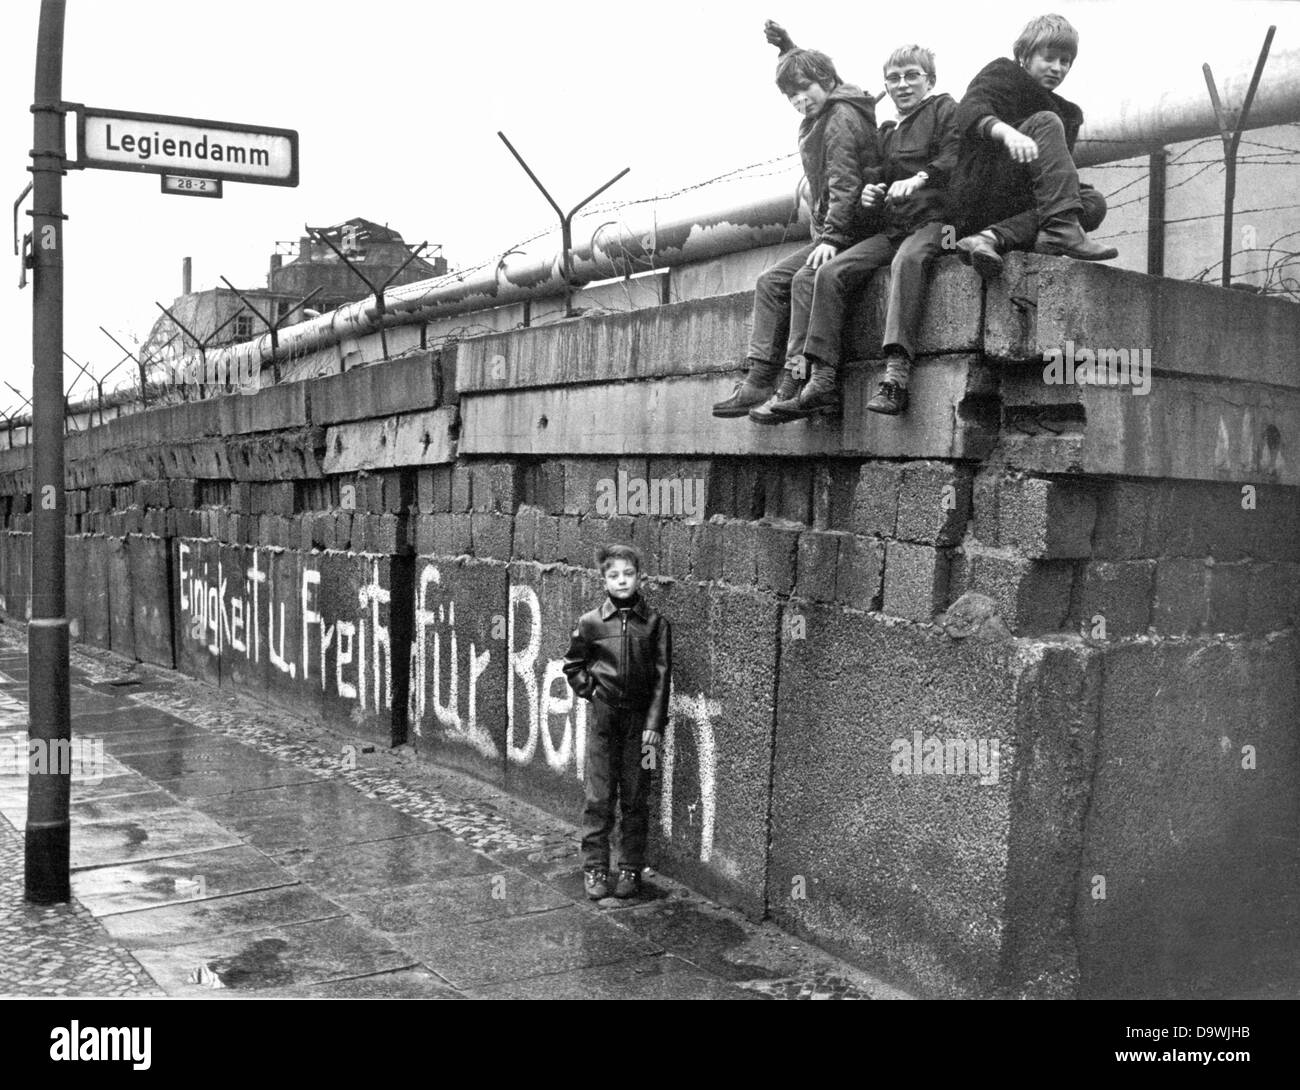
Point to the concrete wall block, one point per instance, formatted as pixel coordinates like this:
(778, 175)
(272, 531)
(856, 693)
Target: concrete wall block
(1275, 528)
(854, 828)
(504, 487)
(544, 485)
(426, 534)
(321, 525)
(1203, 846)
(739, 552)
(1227, 588)
(181, 492)
(647, 538)
(457, 536)
(479, 485)
(875, 500)
(1181, 598)
(915, 580)
(370, 493)
(733, 488)
(1271, 598)
(388, 534)
(379, 389)
(495, 486)
(524, 544)
(776, 552)
(1119, 593)
(706, 561)
(934, 503)
(343, 529)
(569, 544)
(1122, 530)
(593, 532)
(1045, 518)
(491, 534)
(1033, 596)
(433, 488)
(818, 559)
(584, 478)
(548, 538)
(861, 566)
(241, 497)
(677, 547)
(460, 488)
(834, 486)
(788, 491)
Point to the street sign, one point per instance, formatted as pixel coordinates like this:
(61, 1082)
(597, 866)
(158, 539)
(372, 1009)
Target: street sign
(185, 146)
(183, 186)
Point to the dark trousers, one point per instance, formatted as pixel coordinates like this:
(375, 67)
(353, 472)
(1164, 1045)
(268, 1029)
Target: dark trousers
(614, 771)
(1024, 196)
(800, 310)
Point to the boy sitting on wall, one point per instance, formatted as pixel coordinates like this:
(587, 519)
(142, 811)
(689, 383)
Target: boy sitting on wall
(800, 301)
(1016, 186)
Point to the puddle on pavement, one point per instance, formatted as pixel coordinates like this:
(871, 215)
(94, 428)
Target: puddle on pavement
(258, 965)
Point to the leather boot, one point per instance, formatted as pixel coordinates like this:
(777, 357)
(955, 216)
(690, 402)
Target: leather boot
(822, 392)
(1062, 235)
(981, 251)
(753, 390)
(890, 399)
(785, 393)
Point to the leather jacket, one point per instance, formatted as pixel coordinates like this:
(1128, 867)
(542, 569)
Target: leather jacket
(624, 659)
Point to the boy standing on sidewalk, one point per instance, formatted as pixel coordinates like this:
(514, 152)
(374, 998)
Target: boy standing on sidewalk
(621, 659)
(1016, 186)
(794, 301)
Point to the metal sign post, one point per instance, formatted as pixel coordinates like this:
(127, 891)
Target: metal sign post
(50, 727)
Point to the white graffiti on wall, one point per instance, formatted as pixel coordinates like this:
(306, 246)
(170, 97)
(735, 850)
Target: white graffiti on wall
(700, 712)
(542, 699)
(443, 619)
(232, 622)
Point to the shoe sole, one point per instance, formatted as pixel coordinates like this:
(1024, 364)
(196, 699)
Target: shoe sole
(885, 412)
(732, 414)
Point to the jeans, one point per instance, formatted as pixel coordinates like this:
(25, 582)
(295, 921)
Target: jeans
(1024, 196)
(614, 771)
(800, 310)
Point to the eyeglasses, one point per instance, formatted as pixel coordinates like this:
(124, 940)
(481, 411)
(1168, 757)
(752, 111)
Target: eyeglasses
(912, 75)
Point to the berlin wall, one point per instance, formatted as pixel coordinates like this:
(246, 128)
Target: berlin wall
(996, 698)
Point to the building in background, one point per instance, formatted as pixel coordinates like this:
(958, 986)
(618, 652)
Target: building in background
(217, 316)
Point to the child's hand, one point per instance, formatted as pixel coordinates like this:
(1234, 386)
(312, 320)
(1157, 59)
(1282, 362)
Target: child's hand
(904, 188)
(821, 254)
(650, 737)
(1020, 147)
(872, 195)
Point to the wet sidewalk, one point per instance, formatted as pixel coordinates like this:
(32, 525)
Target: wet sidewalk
(221, 848)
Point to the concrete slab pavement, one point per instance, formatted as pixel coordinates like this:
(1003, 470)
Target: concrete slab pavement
(222, 849)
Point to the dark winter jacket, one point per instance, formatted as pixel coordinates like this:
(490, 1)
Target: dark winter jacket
(623, 658)
(1001, 91)
(838, 147)
(926, 139)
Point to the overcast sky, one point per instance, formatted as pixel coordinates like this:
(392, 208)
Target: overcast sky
(398, 103)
